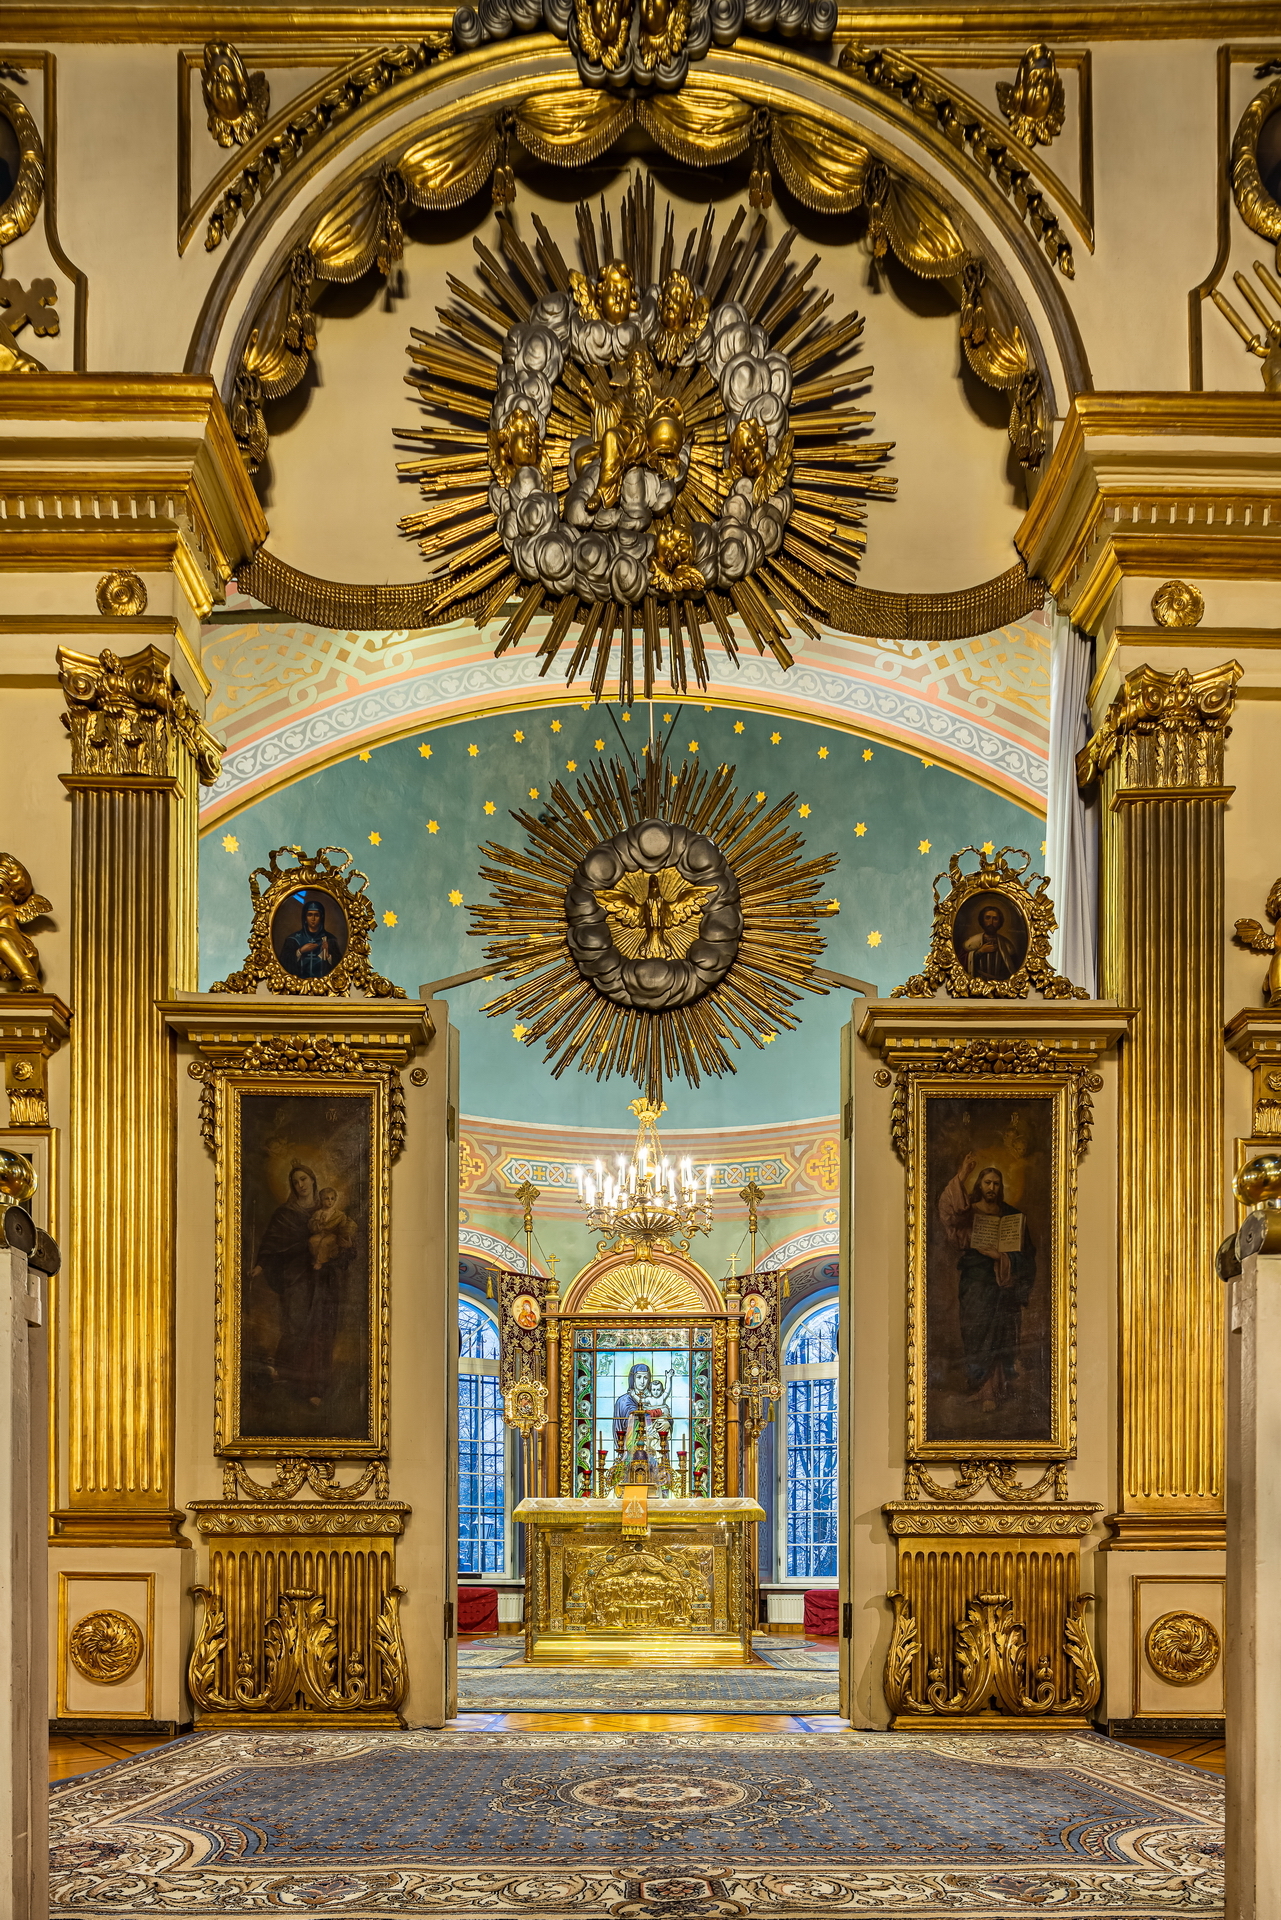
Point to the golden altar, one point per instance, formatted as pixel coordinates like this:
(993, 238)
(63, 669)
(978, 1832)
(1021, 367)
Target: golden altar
(640, 1394)
(683, 1594)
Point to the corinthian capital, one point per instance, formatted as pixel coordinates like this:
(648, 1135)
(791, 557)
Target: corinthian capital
(1166, 730)
(128, 716)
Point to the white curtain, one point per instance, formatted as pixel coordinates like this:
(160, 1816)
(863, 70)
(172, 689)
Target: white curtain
(1072, 827)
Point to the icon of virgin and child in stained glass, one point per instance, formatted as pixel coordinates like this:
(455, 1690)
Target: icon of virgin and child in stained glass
(989, 1307)
(306, 1308)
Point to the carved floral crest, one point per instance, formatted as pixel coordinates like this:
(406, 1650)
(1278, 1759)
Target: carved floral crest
(992, 930)
(311, 925)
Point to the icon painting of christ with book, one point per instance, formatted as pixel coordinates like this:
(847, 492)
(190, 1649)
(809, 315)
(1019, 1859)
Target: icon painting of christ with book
(988, 1270)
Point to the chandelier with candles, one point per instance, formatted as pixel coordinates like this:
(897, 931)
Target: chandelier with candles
(649, 1200)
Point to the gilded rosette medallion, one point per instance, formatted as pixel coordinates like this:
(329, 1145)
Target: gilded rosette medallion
(105, 1646)
(661, 445)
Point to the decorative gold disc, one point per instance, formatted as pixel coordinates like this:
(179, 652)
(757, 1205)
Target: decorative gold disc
(105, 1646)
(1182, 1648)
(1177, 603)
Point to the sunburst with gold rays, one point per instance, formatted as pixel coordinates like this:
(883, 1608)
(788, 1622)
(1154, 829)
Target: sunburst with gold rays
(527, 928)
(827, 463)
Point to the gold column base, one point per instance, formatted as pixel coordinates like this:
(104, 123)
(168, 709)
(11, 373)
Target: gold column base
(638, 1650)
(1166, 1533)
(111, 1527)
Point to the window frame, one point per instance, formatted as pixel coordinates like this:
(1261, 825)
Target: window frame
(803, 1370)
(483, 1369)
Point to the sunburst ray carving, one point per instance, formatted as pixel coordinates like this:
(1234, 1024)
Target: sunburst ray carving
(675, 1007)
(645, 447)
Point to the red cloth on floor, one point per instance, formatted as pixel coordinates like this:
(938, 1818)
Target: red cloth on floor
(478, 1610)
(822, 1610)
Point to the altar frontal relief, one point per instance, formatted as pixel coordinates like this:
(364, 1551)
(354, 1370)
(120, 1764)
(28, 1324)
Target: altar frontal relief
(300, 1325)
(990, 1305)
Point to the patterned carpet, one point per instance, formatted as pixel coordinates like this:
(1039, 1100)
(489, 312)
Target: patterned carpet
(622, 1826)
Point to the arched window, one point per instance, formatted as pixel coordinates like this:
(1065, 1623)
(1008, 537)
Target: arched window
(810, 1448)
(482, 1445)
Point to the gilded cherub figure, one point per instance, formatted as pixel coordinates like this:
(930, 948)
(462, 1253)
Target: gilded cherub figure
(672, 569)
(516, 444)
(236, 101)
(19, 903)
(748, 458)
(682, 315)
(1250, 934)
(1033, 102)
(613, 298)
(641, 429)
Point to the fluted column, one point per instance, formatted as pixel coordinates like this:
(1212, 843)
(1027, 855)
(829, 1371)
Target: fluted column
(1158, 758)
(138, 754)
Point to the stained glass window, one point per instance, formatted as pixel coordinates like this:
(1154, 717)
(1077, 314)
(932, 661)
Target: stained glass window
(482, 1478)
(810, 1446)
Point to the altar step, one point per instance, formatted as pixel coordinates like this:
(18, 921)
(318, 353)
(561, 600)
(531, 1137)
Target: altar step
(639, 1650)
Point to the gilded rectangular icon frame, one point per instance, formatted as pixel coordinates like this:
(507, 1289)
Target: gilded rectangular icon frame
(1059, 1442)
(233, 1087)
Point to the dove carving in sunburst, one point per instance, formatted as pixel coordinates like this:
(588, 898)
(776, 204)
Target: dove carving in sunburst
(654, 916)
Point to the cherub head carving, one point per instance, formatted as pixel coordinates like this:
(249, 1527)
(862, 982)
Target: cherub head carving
(682, 314)
(613, 298)
(748, 449)
(516, 444)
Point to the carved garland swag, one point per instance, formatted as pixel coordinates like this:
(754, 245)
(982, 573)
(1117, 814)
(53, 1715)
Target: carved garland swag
(825, 169)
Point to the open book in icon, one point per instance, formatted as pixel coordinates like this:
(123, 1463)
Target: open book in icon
(997, 1232)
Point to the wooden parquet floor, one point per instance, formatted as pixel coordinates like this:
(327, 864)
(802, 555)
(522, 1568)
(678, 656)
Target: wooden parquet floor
(80, 1753)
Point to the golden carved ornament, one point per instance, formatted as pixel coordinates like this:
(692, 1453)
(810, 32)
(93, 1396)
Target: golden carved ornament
(121, 593)
(968, 124)
(642, 1287)
(300, 1655)
(1177, 603)
(972, 1476)
(292, 1475)
(19, 905)
(981, 1059)
(1166, 730)
(991, 933)
(127, 715)
(1250, 934)
(991, 1664)
(271, 153)
(1033, 102)
(105, 1646)
(1182, 1648)
(320, 887)
(236, 101)
(18, 211)
(299, 1056)
(825, 167)
(1254, 203)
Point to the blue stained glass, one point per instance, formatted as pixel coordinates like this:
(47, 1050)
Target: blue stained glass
(812, 1449)
(481, 1449)
(814, 1341)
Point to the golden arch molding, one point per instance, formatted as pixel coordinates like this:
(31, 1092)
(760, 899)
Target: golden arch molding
(1015, 328)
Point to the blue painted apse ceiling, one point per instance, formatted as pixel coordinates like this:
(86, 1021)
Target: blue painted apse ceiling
(414, 812)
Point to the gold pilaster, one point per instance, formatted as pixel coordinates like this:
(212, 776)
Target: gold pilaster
(138, 754)
(1158, 758)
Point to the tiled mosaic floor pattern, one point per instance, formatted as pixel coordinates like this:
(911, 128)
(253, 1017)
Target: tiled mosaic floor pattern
(580, 1826)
